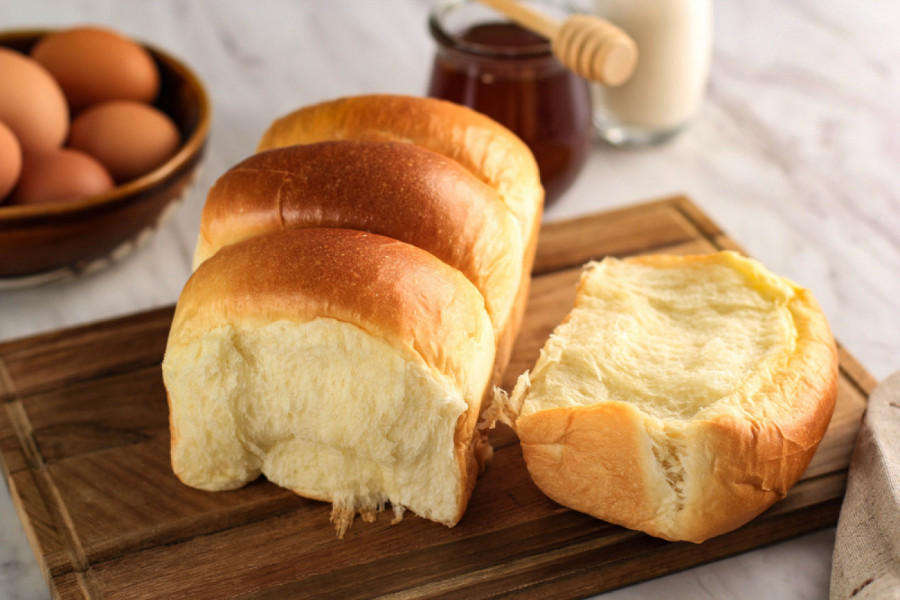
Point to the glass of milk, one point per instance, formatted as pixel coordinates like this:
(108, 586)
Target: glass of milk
(674, 39)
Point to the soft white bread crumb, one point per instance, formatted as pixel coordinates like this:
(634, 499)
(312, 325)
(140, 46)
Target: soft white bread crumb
(681, 396)
(355, 422)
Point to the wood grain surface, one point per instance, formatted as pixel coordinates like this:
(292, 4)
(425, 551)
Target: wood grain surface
(84, 448)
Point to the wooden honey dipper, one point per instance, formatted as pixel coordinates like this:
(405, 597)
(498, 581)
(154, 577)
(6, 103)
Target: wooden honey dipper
(591, 47)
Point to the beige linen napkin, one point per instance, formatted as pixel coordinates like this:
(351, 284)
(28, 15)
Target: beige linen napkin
(867, 549)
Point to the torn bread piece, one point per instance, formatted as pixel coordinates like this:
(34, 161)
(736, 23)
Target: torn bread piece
(681, 396)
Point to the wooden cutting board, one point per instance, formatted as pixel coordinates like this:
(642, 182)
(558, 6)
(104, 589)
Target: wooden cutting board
(84, 446)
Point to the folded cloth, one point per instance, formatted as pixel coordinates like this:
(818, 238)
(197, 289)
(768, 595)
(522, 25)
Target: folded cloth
(867, 549)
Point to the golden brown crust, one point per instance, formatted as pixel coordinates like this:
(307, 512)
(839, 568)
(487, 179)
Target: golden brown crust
(606, 459)
(588, 459)
(392, 189)
(483, 146)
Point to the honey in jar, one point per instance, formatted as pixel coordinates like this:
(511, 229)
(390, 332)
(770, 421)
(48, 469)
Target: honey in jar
(510, 74)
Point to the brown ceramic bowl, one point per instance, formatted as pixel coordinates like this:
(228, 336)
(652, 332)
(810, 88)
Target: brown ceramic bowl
(41, 243)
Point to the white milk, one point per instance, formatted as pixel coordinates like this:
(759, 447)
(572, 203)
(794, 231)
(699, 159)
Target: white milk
(674, 39)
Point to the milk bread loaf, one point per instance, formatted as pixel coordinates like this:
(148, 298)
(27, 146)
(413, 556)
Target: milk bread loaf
(351, 304)
(478, 143)
(681, 396)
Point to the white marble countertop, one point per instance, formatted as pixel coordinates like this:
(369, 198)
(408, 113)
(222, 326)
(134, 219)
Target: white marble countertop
(795, 154)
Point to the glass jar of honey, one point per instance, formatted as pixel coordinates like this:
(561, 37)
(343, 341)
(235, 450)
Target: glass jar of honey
(510, 74)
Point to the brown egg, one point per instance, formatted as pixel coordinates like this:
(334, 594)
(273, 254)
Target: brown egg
(95, 65)
(130, 139)
(10, 160)
(31, 103)
(59, 176)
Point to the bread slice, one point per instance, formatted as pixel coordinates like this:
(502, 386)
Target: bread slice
(682, 396)
(344, 365)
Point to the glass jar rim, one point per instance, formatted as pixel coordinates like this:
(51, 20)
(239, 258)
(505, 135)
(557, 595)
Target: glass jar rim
(450, 40)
